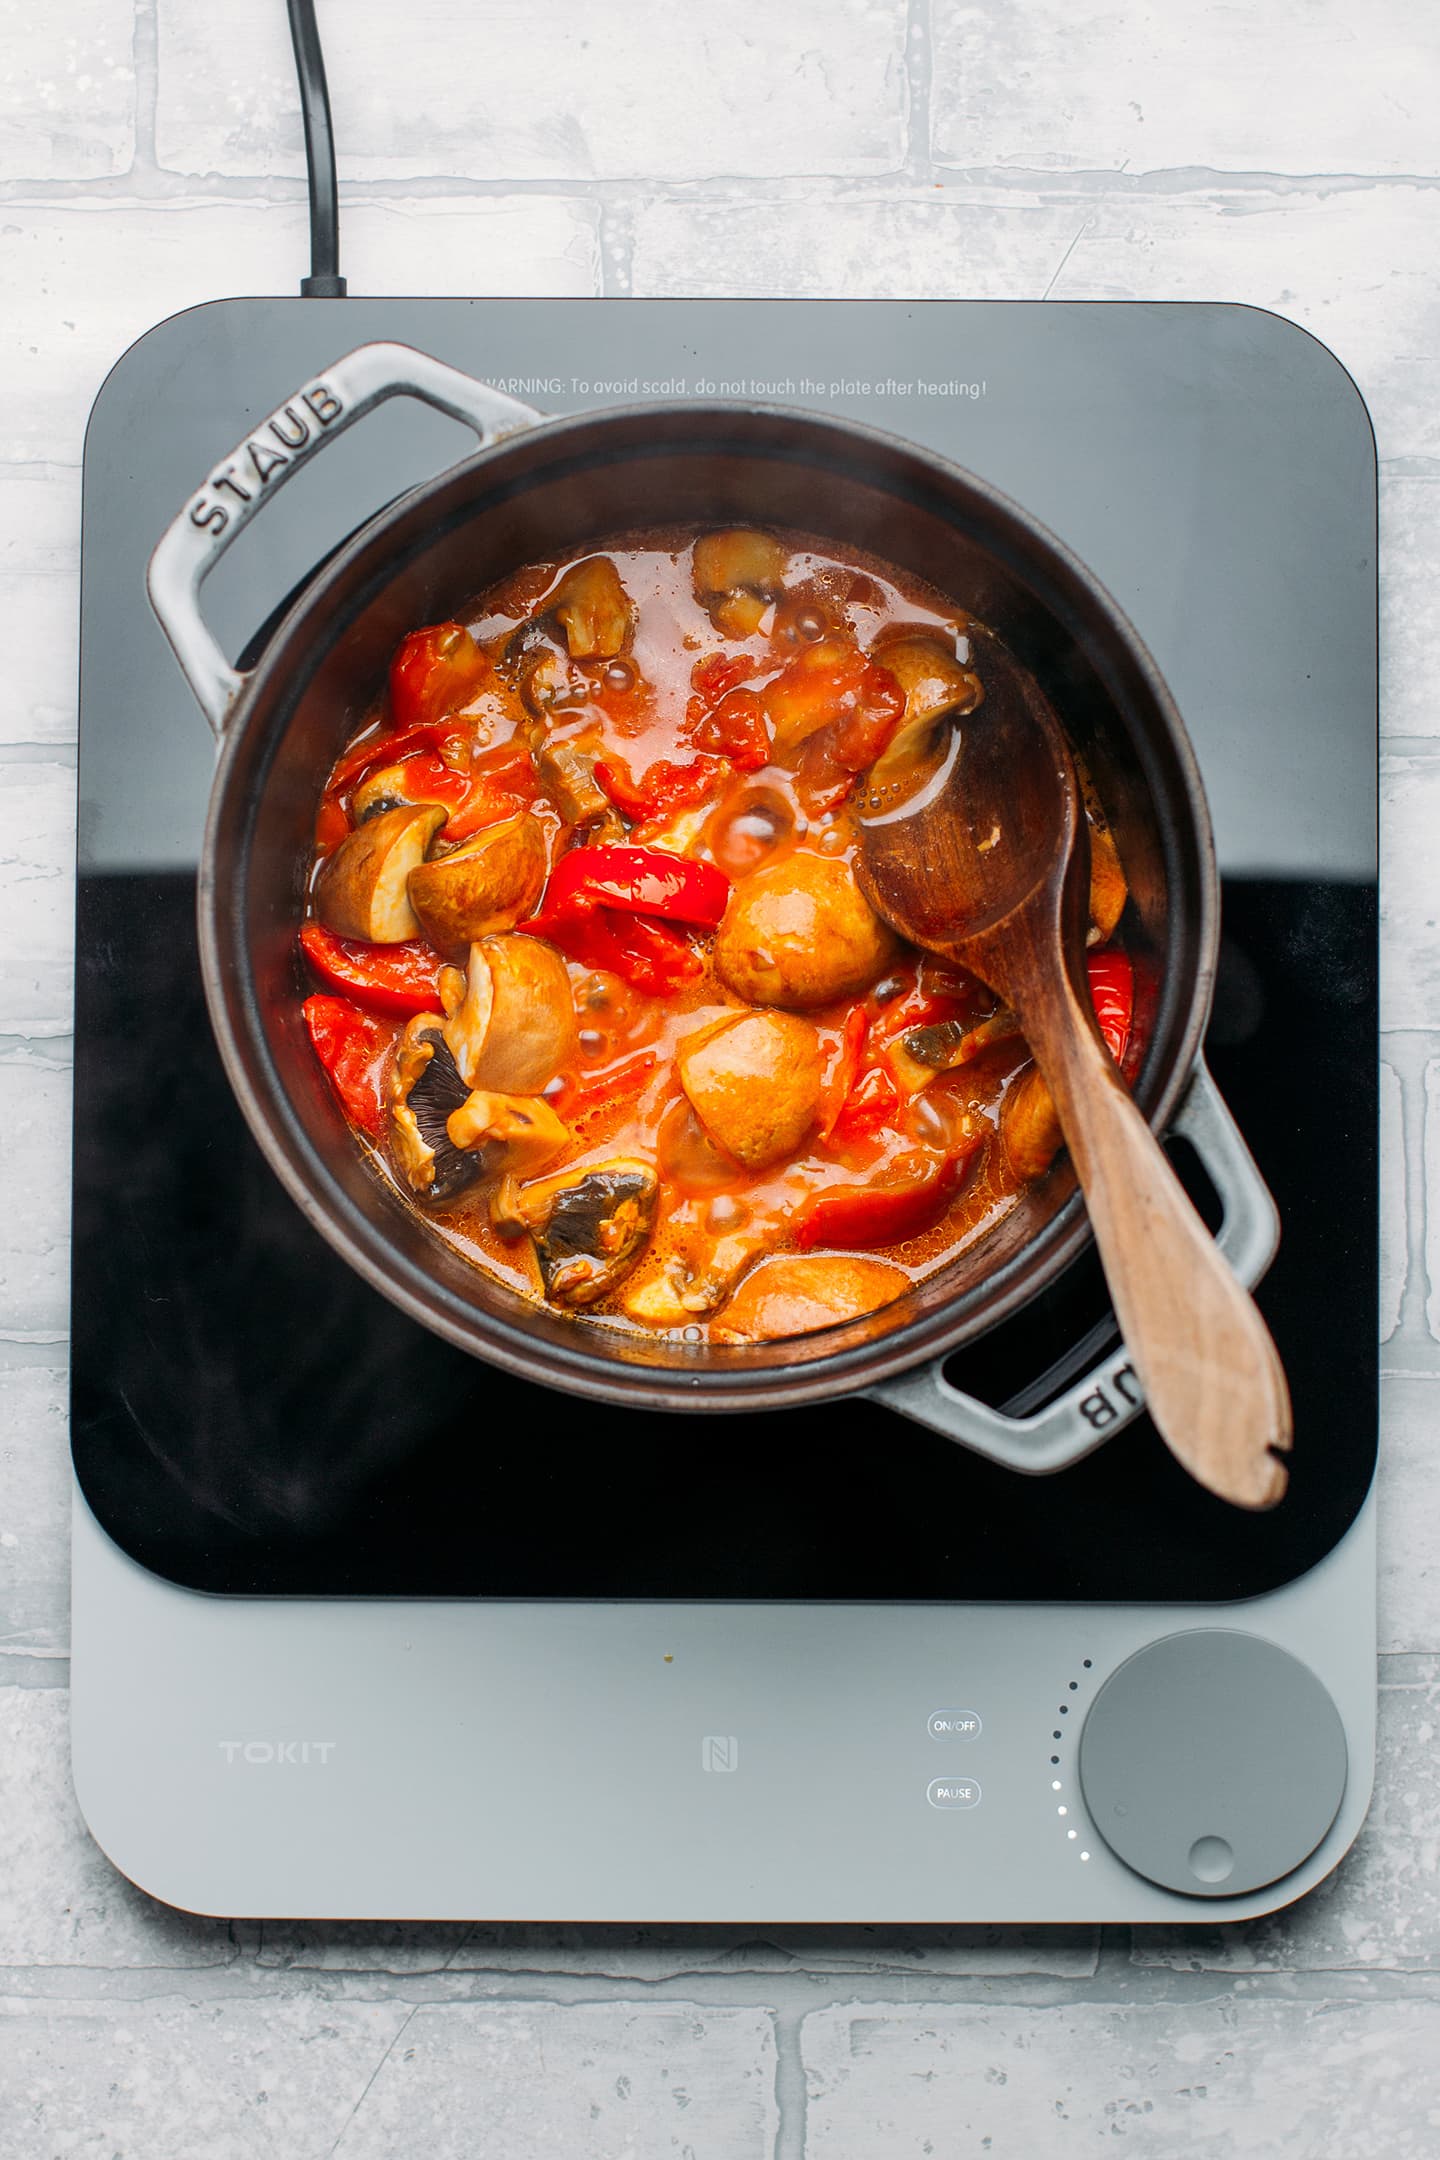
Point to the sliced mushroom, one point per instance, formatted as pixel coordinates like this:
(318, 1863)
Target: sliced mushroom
(514, 1026)
(540, 668)
(424, 1090)
(1108, 890)
(567, 774)
(519, 1134)
(754, 1081)
(948, 1043)
(484, 885)
(935, 685)
(789, 1296)
(593, 609)
(800, 933)
(387, 788)
(361, 889)
(590, 1225)
(736, 573)
(690, 1285)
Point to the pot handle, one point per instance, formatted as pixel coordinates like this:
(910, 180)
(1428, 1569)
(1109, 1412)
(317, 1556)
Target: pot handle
(1109, 1396)
(241, 484)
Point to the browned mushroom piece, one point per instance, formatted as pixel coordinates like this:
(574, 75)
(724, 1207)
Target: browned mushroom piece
(566, 772)
(936, 685)
(754, 1081)
(423, 1091)
(1029, 1126)
(736, 573)
(791, 1295)
(486, 884)
(589, 1225)
(518, 1134)
(800, 933)
(389, 787)
(512, 1027)
(593, 609)
(361, 891)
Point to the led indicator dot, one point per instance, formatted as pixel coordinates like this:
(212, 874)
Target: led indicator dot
(1089, 1662)
(1084, 1855)
(1072, 1833)
(1062, 1811)
(1073, 1685)
(1054, 1784)
(1054, 1758)
(1054, 1736)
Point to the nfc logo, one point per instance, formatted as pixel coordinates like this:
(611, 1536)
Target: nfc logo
(719, 1751)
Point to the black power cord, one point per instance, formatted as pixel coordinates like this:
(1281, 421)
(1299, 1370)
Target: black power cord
(324, 281)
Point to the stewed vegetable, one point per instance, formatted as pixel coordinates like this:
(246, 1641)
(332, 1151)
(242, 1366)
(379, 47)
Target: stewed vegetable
(592, 975)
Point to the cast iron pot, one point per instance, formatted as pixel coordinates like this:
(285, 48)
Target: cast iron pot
(539, 488)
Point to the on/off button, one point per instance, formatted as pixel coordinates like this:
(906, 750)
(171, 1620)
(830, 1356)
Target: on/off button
(953, 1725)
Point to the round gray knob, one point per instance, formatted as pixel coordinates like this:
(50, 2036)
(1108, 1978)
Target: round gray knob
(1212, 1762)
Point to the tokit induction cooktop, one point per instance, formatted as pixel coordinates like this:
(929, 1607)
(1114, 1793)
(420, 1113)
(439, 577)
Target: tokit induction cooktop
(364, 1627)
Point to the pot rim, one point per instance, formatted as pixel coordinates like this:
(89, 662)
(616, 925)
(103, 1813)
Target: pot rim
(586, 1368)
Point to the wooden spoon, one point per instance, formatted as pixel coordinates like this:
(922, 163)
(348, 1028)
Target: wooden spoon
(979, 852)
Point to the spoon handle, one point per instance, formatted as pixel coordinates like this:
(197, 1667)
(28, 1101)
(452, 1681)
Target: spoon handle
(1213, 1380)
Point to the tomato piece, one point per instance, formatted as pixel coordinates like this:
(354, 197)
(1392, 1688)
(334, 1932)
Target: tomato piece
(829, 685)
(352, 1046)
(396, 980)
(502, 784)
(736, 729)
(869, 1107)
(436, 672)
(1112, 993)
(834, 757)
(713, 678)
(860, 1217)
(660, 788)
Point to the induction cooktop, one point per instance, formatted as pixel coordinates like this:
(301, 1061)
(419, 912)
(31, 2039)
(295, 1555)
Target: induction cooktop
(333, 1577)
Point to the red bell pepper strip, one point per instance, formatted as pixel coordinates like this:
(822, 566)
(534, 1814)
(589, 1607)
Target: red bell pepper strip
(645, 881)
(861, 1217)
(391, 749)
(435, 672)
(1112, 993)
(580, 1097)
(644, 954)
(600, 903)
(352, 1046)
(660, 788)
(847, 1068)
(396, 980)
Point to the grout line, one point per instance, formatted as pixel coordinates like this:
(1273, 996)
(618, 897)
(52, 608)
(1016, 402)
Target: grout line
(791, 2094)
(148, 183)
(146, 51)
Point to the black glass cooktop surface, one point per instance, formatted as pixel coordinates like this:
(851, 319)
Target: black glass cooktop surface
(248, 1417)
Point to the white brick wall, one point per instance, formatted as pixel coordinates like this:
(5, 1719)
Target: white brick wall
(1285, 155)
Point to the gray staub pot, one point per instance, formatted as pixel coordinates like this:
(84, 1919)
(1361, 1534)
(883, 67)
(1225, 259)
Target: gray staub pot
(539, 487)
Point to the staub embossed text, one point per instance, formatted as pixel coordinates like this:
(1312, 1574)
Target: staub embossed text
(275, 445)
